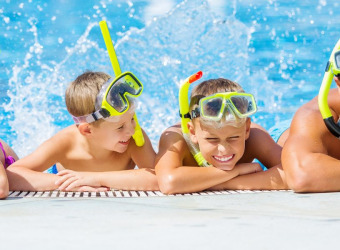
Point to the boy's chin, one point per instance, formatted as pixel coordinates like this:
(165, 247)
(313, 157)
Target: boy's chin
(226, 168)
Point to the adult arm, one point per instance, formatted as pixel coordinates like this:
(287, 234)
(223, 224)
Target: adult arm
(310, 156)
(3, 182)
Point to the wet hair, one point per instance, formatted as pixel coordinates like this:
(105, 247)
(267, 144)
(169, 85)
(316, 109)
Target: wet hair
(81, 94)
(211, 87)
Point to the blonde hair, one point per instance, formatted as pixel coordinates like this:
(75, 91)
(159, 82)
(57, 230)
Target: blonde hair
(80, 96)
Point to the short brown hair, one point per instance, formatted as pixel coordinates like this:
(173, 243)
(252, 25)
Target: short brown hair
(211, 87)
(80, 96)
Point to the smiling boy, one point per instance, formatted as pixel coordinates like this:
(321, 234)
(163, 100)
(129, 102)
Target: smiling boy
(99, 150)
(227, 140)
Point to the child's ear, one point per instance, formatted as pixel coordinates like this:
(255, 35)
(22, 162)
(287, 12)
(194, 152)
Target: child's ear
(248, 123)
(85, 129)
(337, 81)
(192, 132)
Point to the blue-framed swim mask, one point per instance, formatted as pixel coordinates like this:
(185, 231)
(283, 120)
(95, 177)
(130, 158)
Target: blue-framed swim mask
(114, 98)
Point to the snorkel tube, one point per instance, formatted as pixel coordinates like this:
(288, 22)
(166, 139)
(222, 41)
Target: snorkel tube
(138, 135)
(332, 69)
(185, 117)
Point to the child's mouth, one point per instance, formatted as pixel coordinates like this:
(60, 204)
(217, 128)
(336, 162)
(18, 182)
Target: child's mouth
(124, 142)
(223, 159)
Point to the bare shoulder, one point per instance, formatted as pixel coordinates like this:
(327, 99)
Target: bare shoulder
(257, 133)
(66, 139)
(172, 140)
(172, 135)
(308, 132)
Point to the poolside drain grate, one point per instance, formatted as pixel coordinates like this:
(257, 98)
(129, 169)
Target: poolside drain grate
(121, 194)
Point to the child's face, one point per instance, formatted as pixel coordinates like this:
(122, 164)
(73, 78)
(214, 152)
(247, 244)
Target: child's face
(222, 147)
(115, 136)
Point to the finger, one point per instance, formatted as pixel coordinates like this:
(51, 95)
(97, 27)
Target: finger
(74, 185)
(102, 189)
(62, 179)
(93, 189)
(64, 172)
(87, 189)
(67, 183)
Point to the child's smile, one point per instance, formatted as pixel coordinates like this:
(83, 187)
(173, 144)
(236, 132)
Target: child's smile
(222, 147)
(223, 159)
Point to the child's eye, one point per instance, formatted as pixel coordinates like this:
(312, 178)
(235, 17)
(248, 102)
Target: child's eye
(211, 139)
(121, 127)
(234, 138)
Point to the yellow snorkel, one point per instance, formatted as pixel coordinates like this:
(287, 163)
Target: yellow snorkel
(332, 69)
(185, 117)
(138, 135)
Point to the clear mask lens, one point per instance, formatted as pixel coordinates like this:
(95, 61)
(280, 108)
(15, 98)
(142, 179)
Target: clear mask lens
(244, 105)
(212, 108)
(116, 96)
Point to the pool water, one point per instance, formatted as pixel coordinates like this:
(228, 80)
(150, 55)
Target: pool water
(276, 50)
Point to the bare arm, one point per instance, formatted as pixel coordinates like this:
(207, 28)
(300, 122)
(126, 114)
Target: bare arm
(310, 156)
(26, 173)
(144, 157)
(135, 179)
(260, 145)
(3, 182)
(272, 179)
(174, 177)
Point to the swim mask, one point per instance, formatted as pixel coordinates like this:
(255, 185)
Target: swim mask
(112, 99)
(332, 69)
(232, 105)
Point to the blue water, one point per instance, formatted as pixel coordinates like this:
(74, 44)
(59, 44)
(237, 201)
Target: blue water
(276, 50)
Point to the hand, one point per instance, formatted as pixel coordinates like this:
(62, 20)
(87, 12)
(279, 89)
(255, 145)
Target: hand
(87, 189)
(248, 168)
(78, 181)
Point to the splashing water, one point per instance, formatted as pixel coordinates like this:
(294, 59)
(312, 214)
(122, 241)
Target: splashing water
(268, 53)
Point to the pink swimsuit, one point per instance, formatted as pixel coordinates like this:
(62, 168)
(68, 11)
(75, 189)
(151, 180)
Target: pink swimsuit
(8, 159)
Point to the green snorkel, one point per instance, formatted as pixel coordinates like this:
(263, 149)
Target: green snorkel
(185, 117)
(138, 135)
(332, 69)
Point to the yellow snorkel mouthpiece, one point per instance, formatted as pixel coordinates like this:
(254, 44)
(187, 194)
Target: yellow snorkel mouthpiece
(138, 135)
(332, 69)
(185, 117)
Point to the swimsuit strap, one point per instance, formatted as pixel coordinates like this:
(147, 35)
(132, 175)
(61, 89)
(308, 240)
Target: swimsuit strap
(8, 159)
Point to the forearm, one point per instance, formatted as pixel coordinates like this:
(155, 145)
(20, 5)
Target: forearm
(137, 179)
(193, 179)
(272, 179)
(23, 179)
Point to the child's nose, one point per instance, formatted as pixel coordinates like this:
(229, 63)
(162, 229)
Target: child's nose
(222, 147)
(131, 129)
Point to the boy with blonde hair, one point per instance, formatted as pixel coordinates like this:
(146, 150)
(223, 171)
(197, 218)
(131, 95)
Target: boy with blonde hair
(98, 152)
(221, 136)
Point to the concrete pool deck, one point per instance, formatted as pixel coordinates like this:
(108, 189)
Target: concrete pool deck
(249, 220)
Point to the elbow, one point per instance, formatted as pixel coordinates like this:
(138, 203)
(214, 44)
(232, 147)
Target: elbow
(167, 184)
(300, 184)
(300, 180)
